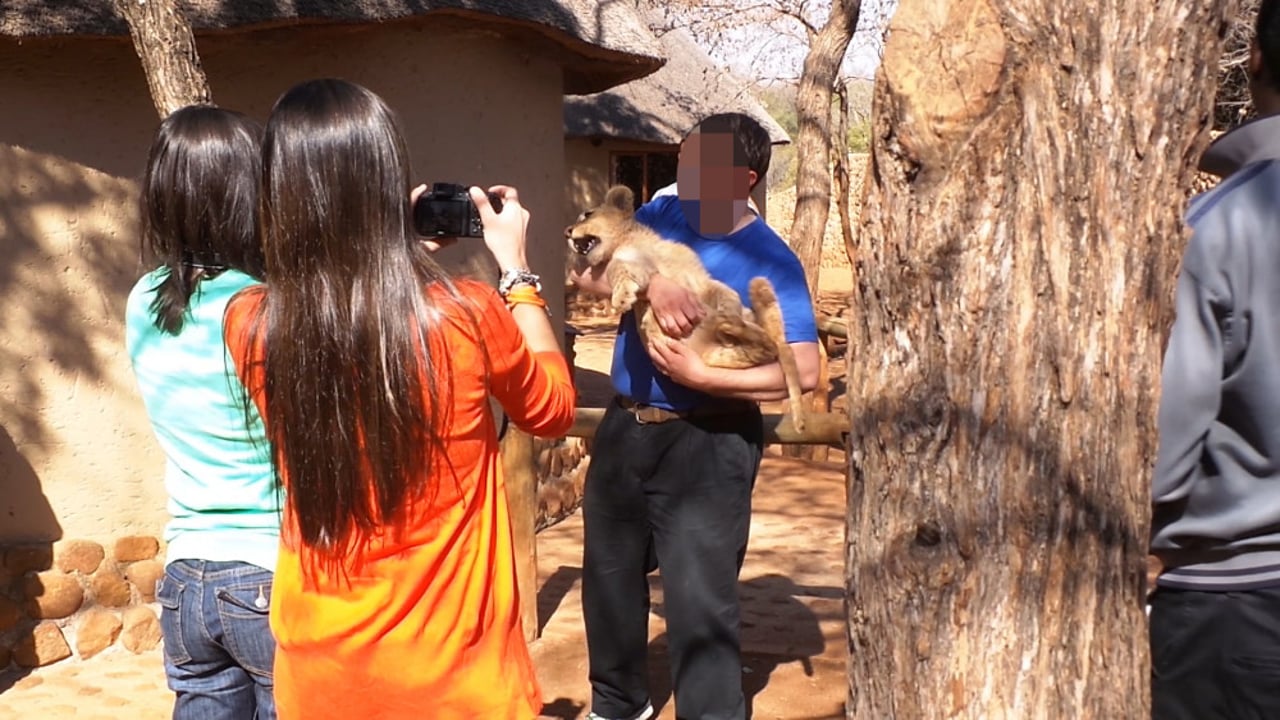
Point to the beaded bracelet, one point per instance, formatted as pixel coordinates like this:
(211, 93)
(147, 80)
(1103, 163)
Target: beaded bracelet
(516, 277)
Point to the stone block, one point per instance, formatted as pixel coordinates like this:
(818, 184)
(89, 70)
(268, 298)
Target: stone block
(136, 547)
(110, 589)
(82, 556)
(22, 559)
(44, 645)
(10, 615)
(141, 629)
(144, 575)
(52, 594)
(95, 632)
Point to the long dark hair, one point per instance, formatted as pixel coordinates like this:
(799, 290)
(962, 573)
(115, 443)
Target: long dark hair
(199, 204)
(352, 406)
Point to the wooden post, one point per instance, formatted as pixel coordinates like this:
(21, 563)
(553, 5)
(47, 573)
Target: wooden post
(821, 402)
(522, 498)
(833, 327)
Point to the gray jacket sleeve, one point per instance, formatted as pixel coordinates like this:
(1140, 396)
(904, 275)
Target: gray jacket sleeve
(1191, 382)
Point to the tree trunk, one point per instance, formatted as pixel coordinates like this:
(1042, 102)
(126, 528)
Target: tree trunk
(162, 36)
(1015, 270)
(813, 140)
(840, 171)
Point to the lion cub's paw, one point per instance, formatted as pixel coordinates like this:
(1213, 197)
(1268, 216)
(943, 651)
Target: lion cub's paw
(624, 295)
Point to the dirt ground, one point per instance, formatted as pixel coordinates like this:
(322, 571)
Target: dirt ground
(792, 589)
(793, 621)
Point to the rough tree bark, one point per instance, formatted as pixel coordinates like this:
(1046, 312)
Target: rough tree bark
(814, 143)
(1014, 277)
(167, 48)
(840, 172)
(814, 140)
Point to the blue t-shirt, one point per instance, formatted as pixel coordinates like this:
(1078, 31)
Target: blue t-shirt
(734, 259)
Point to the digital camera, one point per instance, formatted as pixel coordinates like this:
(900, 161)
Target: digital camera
(446, 210)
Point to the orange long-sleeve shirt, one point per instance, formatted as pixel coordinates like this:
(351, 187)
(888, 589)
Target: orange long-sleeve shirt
(426, 621)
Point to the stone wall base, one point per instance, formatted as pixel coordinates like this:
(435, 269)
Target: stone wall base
(561, 468)
(76, 598)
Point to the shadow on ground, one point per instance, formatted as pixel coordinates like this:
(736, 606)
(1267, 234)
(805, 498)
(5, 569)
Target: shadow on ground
(553, 591)
(777, 628)
(10, 677)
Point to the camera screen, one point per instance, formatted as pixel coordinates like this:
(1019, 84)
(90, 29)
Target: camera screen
(440, 218)
(447, 211)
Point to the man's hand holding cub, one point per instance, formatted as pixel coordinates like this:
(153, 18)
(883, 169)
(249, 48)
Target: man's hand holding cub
(680, 363)
(676, 309)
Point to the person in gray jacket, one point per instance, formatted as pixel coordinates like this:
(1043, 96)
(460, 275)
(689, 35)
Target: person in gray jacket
(1215, 614)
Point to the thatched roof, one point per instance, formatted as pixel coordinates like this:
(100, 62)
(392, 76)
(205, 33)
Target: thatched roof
(662, 107)
(603, 43)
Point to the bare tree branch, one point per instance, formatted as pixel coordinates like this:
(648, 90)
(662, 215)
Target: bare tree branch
(1232, 104)
(167, 48)
(840, 173)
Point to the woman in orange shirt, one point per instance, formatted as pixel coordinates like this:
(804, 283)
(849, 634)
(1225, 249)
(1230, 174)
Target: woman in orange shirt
(395, 589)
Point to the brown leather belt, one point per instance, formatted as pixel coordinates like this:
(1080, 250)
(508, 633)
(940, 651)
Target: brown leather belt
(649, 414)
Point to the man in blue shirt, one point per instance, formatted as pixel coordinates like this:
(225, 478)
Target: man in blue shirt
(677, 452)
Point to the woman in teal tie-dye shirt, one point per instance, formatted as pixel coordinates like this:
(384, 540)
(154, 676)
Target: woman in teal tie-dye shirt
(199, 208)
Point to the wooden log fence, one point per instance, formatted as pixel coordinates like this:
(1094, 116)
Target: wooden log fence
(834, 327)
(820, 429)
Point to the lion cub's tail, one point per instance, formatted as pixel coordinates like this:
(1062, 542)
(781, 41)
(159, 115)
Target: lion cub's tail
(764, 303)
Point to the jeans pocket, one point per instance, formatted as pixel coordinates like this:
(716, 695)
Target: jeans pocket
(244, 609)
(1267, 667)
(169, 594)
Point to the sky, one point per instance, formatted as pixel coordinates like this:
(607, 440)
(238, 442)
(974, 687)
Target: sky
(776, 51)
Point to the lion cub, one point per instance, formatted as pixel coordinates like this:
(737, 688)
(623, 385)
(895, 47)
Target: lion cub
(730, 336)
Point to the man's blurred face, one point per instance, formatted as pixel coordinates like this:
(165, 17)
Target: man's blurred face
(713, 190)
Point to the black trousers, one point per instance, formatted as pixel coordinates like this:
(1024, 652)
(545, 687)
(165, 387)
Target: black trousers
(677, 492)
(1215, 654)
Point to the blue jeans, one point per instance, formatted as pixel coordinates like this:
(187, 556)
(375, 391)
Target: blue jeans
(218, 649)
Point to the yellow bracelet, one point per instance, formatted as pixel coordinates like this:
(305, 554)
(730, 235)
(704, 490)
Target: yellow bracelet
(512, 305)
(523, 291)
(526, 295)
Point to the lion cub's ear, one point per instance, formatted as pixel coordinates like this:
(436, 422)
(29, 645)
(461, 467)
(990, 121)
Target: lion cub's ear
(621, 198)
